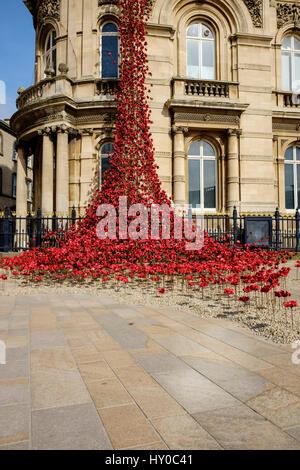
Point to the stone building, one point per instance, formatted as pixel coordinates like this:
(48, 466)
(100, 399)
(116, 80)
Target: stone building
(226, 122)
(8, 167)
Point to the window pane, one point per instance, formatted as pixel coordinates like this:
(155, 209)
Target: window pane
(48, 45)
(110, 58)
(298, 153)
(209, 184)
(286, 71)
(193, 58)
(194, 149)
(53, 60)
(296, 84)
(110, 28)
(105, 166)
(208, 150)
(286, 43)
(208, 60)
(192, 30)
(206, 32)
(107, 148)
(296, 44)
(289, 154)
(289, 187)
(194, 182)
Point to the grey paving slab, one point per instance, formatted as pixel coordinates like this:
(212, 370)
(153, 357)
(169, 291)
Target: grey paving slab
(217, 368)
(239, 428)
(17, 332)
(17, 354)
(54, 339)
(140, 321)
(193, 391)
(14, 394)
(14, 370)
(246, 388)
(180, 345)
(69, 428)
(153, 363)
(126, 312)
(14, 423)
(119, 329)
(243, 342)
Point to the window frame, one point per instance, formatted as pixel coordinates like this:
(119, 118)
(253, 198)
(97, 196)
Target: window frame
(294, 162)
(202, 158)
(292, 53)
(50, 51)
(29, 192)
(14, 185)
(114, 34)
(201, 40)
(101, 157)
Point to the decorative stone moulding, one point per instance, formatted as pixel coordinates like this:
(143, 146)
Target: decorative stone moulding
(287, 13)
(107, 7)
(255, 8)
(48, 9)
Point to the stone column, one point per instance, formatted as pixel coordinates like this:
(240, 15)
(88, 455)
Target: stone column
(47, 173)
(179, 184)
(62, 172)
(233, 191)
(21, 192)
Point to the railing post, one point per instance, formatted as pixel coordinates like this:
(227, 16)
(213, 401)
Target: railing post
(73, 216)
(54, 222)
(277, 216)
(38, 228)
(235, 228)
(6, 230)
(297, 229)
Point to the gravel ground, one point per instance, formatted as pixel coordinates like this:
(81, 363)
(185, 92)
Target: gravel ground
(270, 321)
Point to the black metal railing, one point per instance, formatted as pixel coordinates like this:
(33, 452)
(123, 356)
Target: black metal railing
(274, 231)
(33, 231)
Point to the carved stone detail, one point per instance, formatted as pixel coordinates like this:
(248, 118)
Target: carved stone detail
(255, 8)
(48, 9)
(286, 13)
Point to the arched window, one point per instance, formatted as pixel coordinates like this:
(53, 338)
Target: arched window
(50, 51)
(105, 153)
(292, 177)
(201, 52)
(290, 64)
(109, 48)
(202, 175)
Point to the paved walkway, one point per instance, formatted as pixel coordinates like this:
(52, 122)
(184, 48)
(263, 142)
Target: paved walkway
(84, 372)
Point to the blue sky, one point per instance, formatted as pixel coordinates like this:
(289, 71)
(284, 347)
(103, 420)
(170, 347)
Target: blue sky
(17, 42)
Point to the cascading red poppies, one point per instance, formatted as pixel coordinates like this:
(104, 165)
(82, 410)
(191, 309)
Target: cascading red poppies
(133, 173)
